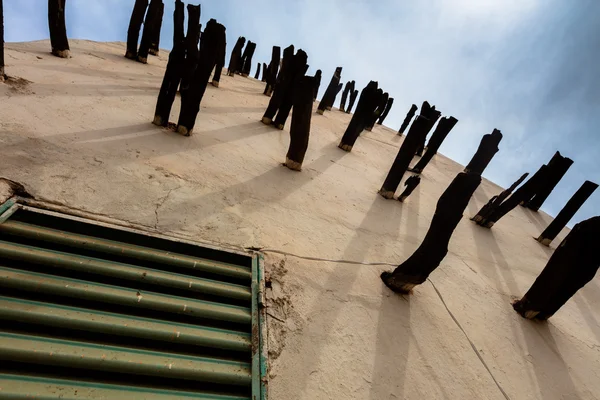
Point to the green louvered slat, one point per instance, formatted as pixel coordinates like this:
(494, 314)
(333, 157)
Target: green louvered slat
(5, 215)
(122, 271)
(258, 263)
(256, 334)
(19, 387)
(47, 314)
(64, 353)
(78, 289)
(6, 205)
(106, 246)
(133, 350)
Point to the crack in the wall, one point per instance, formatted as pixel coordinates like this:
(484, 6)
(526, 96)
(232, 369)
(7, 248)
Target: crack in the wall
(469, 340)
(160, 203)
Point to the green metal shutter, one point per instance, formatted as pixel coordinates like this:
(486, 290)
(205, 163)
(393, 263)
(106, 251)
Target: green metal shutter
(89, 311)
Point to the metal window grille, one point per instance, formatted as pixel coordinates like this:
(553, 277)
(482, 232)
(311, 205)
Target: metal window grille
(89, 310)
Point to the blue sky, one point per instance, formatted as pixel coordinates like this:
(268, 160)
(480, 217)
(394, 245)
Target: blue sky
(526, 67)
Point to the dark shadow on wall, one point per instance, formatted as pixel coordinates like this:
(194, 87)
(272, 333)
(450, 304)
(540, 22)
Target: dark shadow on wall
(412, 238)
(268, 188)
(478, 200)
(383, 215)
(154, 74)
(392, 346)
(582, 302)
(548, 366)
(536, 219)
(88, 90)
(495, 267)
(230, 110)
(164, 142)
(551, 371)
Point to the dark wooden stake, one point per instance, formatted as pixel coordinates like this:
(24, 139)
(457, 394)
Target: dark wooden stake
(221, 50)
(408, 118)
(334, 92)
(151, 24)
(366, 105)
(557, 168)
(246, 63)
(572, 265)
(353, 97)
(381, 103)
(191, 49)
(264, 72)
(135, 24)
(411, 183)
(236, 56)
(381, 107)
(272, 71)
(317, 84)
(174, 70)
(155, 42)
(178, 19)
(2, 72)
(552, 162)
(437, 137)
(421, 146)
(257, 73)
(522, 193)
(386, 111)
(301, 116)
(418, 130)
(280, 86)
(568, 211)
(448, 213)
(338, 89)
(242, 66)
(58, 28)
(330, 92)
(348, 89)
(212, 39)
(442, 130)
(495, 201)
(488, 147)
(297, 69)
